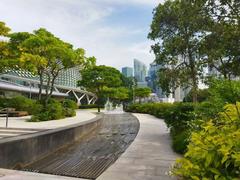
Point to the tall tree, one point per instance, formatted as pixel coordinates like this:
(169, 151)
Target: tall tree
(117, 95)
(142, 93)
(45, 55)
(177, 28)
(96, 78)
(5, 53)
(221, 45)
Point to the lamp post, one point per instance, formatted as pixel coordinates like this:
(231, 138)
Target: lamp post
(133, 89)
(30, 87)
(99, 83)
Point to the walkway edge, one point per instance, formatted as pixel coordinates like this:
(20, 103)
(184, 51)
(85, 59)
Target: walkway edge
(149, 157)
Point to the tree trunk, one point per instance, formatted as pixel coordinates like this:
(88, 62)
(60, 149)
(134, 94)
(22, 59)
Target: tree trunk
(49, 95)
(193, 77)
(98, 100)
(47, 90)
(194, 91)
(40, 86)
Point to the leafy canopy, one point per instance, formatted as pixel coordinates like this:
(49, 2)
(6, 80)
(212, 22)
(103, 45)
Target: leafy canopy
(142, 92)
(5, 54)
(97, 77)
(177, 29)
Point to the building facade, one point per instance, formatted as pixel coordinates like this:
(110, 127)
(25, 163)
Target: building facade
(127, 71)
(140, 71)
(21, 82)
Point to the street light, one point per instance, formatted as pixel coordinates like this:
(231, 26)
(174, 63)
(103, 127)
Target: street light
(30, 93)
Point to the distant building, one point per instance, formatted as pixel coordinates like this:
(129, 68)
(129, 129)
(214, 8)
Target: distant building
(142, 84)
(21, 82)
(127, 71)
(140, 71)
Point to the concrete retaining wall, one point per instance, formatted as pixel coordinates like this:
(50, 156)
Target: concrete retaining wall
(21, 150)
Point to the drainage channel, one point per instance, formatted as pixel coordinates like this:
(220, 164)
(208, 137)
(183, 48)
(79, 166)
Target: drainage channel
(90, 157)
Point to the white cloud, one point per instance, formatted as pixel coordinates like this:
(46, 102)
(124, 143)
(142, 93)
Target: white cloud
(134, 2)
(81, 22)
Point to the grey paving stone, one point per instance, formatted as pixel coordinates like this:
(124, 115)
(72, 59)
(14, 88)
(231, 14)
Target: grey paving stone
(149, 157)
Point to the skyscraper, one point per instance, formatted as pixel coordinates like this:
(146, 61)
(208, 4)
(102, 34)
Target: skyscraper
(140, 71)
(127, 71)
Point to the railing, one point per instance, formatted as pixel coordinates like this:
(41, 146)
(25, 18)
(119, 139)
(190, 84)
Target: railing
(5, 113)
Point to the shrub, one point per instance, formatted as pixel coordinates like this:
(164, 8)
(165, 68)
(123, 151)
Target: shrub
(4, 102)
(202, 95)
(20, 103)
(43, 116)
(52, 111)
(68, 112)
(214, 151)
(67, 103)
(55, 109)
(180, 141)
(90, 106)
(69, 107)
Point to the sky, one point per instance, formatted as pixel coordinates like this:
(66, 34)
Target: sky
(114, 31)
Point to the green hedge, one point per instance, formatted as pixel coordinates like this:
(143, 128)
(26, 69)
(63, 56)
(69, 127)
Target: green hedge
(21, 103)
(55, 110)
(90, 106)
(214, 150)
(177, 117)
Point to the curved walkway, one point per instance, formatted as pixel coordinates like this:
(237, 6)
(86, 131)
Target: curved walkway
(149, 157)
(92, 155)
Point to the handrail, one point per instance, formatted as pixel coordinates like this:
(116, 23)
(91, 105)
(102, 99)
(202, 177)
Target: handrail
(7, 114)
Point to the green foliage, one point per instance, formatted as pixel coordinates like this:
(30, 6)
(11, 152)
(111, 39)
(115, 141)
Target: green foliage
(44, 54)
(52, 111)
(221, 46)
(5, 53)
(214, 151)
(202, 95)
(90, 106)
(176, 28)
(96, 78)
(142, 93)
(117, 95)
(180, 140)
(67, 103)
(68, 112)
(55, 110)
(21, 103)
(69, 107)
(220, 92)
(224, 91)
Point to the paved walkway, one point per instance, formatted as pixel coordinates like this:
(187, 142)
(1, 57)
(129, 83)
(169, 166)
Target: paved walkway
(149, 157)
(20, 122)
(6, 174)
(18, 126)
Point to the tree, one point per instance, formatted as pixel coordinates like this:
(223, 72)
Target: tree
(5, 53)
(85, 62)
(96, 78)
(45, 55)
(117, 95)
(177, 28)
(202, 95)
(142, 93)
(221, 45)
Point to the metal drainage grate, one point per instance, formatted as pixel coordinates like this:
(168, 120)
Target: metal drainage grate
(89, 158)
(88, 168)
